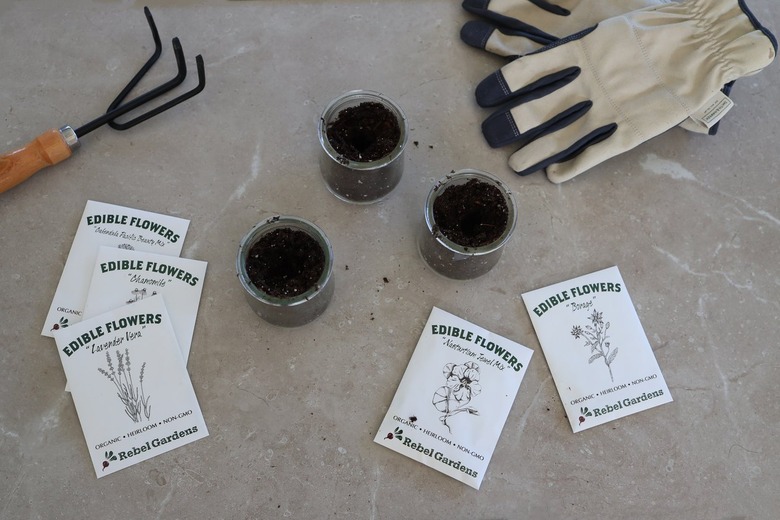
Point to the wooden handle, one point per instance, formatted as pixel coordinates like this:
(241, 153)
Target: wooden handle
(47, 149)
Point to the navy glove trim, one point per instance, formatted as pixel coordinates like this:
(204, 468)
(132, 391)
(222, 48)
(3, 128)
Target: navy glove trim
(727, 87)
(757, 24)
(494, 91)
(473, 6)
(574, 150)
(562, 41)
(477, 32)
(500, 129)
(551, 8)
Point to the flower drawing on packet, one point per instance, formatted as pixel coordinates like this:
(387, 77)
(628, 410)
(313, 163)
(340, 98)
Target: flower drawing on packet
(596, 338)
(462, 384)
(134, 400)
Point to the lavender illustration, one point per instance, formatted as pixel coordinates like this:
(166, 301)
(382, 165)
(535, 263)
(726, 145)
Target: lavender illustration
(454, 397)
(596, 337)
(136, 403)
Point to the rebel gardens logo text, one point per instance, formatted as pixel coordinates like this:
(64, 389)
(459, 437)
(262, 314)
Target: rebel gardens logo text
(430, 452)
(618, 405)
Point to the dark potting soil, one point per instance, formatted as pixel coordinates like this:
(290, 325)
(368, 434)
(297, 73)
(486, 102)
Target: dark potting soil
(472, 214)
(285, 262)
(366, 132)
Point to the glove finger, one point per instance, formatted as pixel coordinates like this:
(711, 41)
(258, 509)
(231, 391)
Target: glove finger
(507, 13)
(558, 152)
(512, 29)
(504, 41)
(524, 122)
(583, 155)
(518, 27)
(551, 8)
(496, 90)
(532, 75)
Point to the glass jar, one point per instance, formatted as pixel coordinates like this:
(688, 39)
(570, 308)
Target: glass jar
(357, 181)
(295, 310)
(454, 260)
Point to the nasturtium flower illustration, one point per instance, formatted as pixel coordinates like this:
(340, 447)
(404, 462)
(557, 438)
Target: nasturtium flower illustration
(462, 385)
(463, 380)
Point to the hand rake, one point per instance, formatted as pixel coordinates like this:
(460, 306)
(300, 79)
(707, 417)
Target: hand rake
(56, 145)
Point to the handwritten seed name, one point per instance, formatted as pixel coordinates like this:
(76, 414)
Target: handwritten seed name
(467, 335)
(152, 267)
(112, 326)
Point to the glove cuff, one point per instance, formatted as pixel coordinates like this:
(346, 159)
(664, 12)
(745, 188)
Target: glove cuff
(736, 40)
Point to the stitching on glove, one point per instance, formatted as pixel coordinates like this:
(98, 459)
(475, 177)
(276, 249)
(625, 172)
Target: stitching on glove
(657, 75)
(502, 83)
(487, 36)
(511, 120)
(605, 92)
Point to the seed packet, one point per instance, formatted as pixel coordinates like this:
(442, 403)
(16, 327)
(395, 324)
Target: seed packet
(131, 389)
(454, 397)
(598, 353)
(121, 277)
(105, 224)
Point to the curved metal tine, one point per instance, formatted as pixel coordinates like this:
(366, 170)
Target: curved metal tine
(148, 65)
(181, 73)
(172, 103)
(140, 100)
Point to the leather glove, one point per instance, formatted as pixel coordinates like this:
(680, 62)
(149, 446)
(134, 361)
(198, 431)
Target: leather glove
(513, 28)
(605, 90)
(517, 27)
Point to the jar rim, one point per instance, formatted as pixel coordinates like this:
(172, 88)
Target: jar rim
(334, 107)
(264, 227)
(461, 177)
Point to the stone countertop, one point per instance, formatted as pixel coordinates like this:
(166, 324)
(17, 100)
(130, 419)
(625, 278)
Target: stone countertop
(692, 222)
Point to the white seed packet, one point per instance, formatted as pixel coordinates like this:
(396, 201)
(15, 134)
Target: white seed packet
(105, 224)
(454, 397)
(598, 353)
(130, 386)
(121, 277)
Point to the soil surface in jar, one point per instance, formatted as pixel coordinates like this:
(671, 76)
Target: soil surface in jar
(366, 132)
(285, 263)
(472, 214)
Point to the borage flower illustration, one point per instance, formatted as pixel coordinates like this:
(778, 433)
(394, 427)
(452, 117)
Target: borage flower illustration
(596, 340)
(461, 387)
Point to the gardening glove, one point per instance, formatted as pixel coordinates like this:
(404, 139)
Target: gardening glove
(517, 27)
(607, 89)
(513, 28)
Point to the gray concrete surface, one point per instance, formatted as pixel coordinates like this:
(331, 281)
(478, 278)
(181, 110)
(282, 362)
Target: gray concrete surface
(693, 223)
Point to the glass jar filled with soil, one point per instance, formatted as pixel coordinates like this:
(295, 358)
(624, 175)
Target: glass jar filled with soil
(363, 135)
(285, 265)
(469, 216)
